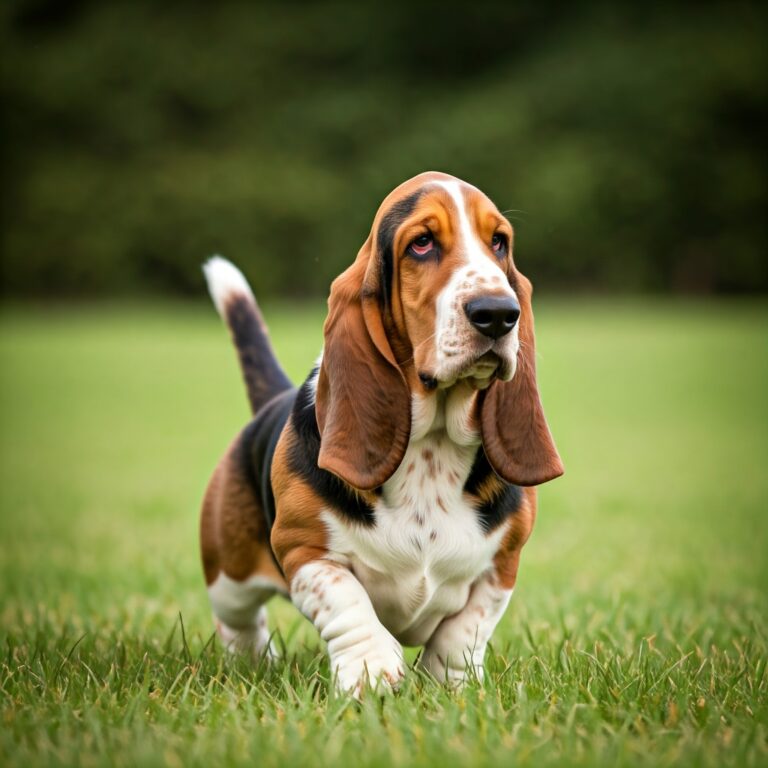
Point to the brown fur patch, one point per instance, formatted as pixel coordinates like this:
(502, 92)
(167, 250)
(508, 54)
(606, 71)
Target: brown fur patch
(507, 558)
(233, 531)
(298, 536)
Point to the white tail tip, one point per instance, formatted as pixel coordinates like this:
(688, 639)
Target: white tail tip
(225, 281)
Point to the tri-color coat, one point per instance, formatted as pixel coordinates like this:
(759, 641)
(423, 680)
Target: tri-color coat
(391, 494)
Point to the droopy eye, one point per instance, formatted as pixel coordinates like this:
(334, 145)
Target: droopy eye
(499, 244)
(422, 245)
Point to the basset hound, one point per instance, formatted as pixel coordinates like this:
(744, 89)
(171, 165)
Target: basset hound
(389, 495)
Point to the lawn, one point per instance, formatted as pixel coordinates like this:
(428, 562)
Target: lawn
(637, 634)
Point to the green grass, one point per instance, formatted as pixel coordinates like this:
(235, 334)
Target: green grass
(637, 634)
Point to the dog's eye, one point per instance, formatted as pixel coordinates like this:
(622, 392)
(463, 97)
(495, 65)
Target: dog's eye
(499, 244)
(422, 246)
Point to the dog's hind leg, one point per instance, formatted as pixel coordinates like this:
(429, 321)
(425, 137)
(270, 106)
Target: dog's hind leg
(240, 570)
(240, 613)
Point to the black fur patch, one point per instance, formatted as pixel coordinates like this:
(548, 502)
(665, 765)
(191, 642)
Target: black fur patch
(505, 500)
(260, 440)
(385, 239)
(302, 459)
(262, 373)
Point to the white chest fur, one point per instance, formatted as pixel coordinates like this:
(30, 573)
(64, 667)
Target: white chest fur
(426, 549)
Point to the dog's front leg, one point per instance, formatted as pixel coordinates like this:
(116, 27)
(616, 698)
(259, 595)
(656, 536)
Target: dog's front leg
(457, 648)
(359, 646)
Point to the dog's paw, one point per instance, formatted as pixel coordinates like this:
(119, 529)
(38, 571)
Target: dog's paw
(253, 641)
(377, 664)
(452, 669)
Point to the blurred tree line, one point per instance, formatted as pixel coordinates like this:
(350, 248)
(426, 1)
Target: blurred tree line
(624, 142)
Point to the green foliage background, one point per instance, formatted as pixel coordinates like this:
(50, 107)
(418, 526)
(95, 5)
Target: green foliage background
(626, 144)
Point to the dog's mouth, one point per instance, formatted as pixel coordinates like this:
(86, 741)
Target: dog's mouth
(478, 373)
(483, 368)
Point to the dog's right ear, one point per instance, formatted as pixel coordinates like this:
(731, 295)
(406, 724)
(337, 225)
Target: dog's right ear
(363, 402)
(516, 436)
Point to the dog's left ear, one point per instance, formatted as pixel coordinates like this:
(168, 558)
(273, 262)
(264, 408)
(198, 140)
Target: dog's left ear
(515, 434)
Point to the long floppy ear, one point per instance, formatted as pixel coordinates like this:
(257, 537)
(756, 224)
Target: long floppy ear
(516, 438)
(363, 402)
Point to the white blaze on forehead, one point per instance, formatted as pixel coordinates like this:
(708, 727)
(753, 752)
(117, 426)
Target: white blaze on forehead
(474, 254)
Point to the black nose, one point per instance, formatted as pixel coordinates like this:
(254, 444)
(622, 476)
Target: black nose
(493, 316)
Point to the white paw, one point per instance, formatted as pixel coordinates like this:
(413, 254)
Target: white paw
(377, 663)
(453, 668)
(254, 640)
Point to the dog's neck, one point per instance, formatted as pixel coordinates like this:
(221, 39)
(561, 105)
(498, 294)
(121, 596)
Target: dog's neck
(451, 411)
(441, 452)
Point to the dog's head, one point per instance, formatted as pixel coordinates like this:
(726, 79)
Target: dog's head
(433, 299)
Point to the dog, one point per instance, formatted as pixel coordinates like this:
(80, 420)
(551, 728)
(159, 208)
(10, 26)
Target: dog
(390, 495)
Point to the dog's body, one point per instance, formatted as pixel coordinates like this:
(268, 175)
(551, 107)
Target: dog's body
(389, 496)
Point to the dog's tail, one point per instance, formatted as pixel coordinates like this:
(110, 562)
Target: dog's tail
(264, 377)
